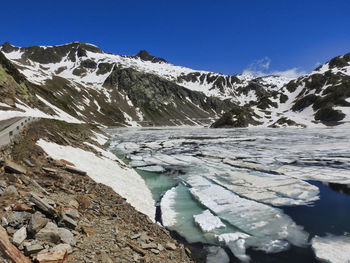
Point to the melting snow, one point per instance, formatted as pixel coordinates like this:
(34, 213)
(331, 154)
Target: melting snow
(124, 181)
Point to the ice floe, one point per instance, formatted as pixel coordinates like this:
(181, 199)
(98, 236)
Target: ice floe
(332, 249)
(262, 222)
(207, 221)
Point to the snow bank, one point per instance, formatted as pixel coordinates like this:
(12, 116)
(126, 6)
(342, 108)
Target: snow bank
(124, 181)
(333, 249)
(100, 138)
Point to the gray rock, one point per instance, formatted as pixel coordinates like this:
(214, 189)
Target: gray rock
(66, 221)
(19, 236)
(4, 222)
(160, 247)
(61, 247)
(12, 189)
(66, 236)
(72, 213)
(36, 223)
(3, 184)
(74, 203)
(32, 249)
(155, 251)
(49, 233)
(18, 219)
(49, 170)
(38, 186)
(42, 203)
(28, 163)
(135, 236)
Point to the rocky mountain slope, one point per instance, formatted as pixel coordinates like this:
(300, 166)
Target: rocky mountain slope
(54, 212)
(90, 85)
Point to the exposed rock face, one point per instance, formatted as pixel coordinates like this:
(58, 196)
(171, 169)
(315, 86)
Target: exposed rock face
(144, 55)
(160, 99)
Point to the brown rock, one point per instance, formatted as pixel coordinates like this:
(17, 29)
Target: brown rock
(60, 256)
(170, 246)
(13, 167)
(88, 230)
(67, 162)
(149, 246)
(137, 248)
(84, 201)
(75, 170)
(21, 207)
(10, 251)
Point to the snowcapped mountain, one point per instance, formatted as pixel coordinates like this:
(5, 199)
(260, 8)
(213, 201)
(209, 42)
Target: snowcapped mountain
(94, 86)
(321, 97)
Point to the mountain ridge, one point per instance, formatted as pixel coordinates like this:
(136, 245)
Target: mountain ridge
(73, 77)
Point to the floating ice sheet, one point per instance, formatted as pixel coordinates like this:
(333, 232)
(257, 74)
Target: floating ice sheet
(333, 249)
(263, 223)
(207, 221)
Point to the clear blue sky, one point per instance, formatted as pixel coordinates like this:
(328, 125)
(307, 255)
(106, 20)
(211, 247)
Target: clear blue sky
(222, 36)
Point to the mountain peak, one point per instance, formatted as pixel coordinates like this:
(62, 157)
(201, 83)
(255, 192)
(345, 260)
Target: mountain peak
(144, 55)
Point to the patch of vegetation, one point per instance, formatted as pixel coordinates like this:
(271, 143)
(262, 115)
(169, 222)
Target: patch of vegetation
(284, 121)
(328, 114)
(338, 62)
(304, 102)
(79, 71)
(291, 86)
(237, 117)
(283, 98)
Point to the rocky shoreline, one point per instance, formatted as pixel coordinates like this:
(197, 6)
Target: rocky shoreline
(53, 212)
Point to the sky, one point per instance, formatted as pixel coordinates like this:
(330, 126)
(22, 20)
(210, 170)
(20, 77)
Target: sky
(226, 36)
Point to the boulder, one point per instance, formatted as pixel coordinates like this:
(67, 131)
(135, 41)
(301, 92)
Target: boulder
(10, 251)
(49, 233)
(170, 246)
(11, 190)
(21, 207)
(42, 204)
(74, 170)
(18, 219)
(66, 236)
(12, 167)
(72, 213)
(28, 163)
(59, 256)
(73, 203)
(36, 223)
(61, 247)
(19, 236)
(33, 249)
(66, 221)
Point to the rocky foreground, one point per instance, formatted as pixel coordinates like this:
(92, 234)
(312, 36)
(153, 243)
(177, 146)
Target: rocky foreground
(52, 212)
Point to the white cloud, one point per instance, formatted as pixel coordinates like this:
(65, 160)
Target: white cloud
(261, 68)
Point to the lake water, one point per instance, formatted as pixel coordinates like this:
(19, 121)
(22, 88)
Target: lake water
(249, 195)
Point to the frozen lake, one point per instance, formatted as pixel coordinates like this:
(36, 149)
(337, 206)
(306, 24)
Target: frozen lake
(265, 195)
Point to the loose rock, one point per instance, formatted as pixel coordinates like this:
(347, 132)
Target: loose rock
(36, 223)
(19, 236)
